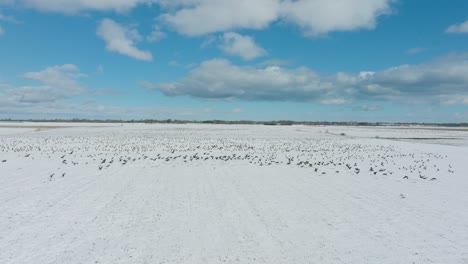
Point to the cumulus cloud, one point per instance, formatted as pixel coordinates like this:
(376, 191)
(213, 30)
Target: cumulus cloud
(318, 17)
(172, 4)
(242, 46)
(208, 16)
(458, 28)
(50, 86)
(219, 79)
(442, 81)
(122, 39)
(315, 17)
(55, 83)
(48, 97)
(202, 17)
(75, 6)
(64, 75)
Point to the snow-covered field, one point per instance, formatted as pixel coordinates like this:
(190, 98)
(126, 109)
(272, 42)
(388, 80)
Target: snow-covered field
(139, 193)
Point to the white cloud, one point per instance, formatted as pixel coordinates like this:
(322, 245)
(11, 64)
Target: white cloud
(1, 30)
(47, 98)
(37, 94)
(75, 6)
(122, 39)
(55, 83)
(442, 81)
(209, 16)
(202, 17)
(63, 75)
(317, 17)
(242, 46)
(171, 4)
(458, 28)
(52, 84)
(219, 79)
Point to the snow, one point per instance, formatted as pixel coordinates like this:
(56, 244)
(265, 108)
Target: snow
(140, 193)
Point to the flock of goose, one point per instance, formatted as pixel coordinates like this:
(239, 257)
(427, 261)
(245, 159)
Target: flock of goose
(320, 155)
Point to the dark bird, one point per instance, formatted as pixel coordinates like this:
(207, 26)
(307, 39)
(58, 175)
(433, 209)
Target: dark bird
(406, 177)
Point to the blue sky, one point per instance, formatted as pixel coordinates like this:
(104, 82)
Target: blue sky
(355, 60)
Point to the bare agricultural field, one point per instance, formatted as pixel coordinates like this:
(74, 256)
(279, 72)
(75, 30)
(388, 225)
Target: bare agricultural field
(136, 193)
